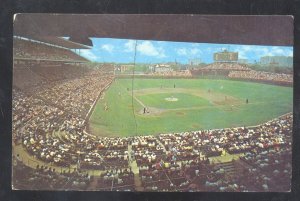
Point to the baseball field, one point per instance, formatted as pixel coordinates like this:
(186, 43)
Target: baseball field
(152, 106)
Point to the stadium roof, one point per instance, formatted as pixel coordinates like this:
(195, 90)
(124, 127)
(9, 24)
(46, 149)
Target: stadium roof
(60, 42)
(256, 30)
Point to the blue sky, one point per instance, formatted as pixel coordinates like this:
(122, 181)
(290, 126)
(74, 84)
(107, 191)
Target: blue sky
(122, 51)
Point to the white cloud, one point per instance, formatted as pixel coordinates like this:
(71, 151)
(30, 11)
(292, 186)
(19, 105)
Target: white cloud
(289, 53)
(108, 47)
(242, 55)
(280, 51)
(246, 50)
(181, 51)
(89, 55)
(277, 50)
(148, 49)
(195, 51)
(145, 48)
(187, 52)
(258, 51)
(129, 46)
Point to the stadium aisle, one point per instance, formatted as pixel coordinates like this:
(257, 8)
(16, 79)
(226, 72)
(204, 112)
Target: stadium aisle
(135, 170)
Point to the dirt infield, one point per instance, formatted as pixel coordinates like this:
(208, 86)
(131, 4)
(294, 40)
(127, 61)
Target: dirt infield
(217, 99)
(214, 97)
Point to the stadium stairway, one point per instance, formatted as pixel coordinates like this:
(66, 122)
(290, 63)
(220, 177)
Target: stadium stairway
(135, 170)
(93, 184)
(228, 167)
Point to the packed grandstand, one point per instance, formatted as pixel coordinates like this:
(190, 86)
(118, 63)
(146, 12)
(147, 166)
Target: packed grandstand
(54, 91)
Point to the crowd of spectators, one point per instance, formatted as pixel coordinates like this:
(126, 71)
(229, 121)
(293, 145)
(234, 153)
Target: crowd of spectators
(50, 124)
(33, 78)
(264, 171)
(116, 180)
(25, 78)
(241, 71)
(226, 66)
(172, 167)
(270, 170)
(146, 149)
(53, 73)
(262, 76)
(175, 73)
(75, 96)
(48, 178)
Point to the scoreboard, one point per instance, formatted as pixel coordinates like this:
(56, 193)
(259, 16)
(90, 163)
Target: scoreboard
(226, 56)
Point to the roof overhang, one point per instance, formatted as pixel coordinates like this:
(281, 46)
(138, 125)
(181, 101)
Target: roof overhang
(252, 30)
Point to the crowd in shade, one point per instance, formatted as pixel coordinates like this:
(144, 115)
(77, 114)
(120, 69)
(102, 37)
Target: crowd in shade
(48, 178)
(49, 123)
(37, 50)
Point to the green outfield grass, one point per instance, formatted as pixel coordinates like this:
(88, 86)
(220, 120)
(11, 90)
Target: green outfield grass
(201, 104)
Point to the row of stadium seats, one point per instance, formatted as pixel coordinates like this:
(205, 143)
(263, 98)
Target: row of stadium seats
(260, 75)
(47, 178)
(241, 71)
(226, 66)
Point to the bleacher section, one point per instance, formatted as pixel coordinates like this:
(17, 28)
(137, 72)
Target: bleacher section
(226, 66)
(242, 72)
(277, 78)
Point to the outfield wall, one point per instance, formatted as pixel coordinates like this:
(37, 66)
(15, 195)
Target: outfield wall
(285, 84)
(145, 76)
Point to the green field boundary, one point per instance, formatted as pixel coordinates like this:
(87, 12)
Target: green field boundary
(169, 119)
(92, 108)
(214, 77)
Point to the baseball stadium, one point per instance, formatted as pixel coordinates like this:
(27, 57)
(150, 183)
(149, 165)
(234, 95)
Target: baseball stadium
(81, 124)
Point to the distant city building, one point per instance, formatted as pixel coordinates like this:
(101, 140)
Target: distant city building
(162, 68)
(124, 67)
(277, 61)
(226, 56)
